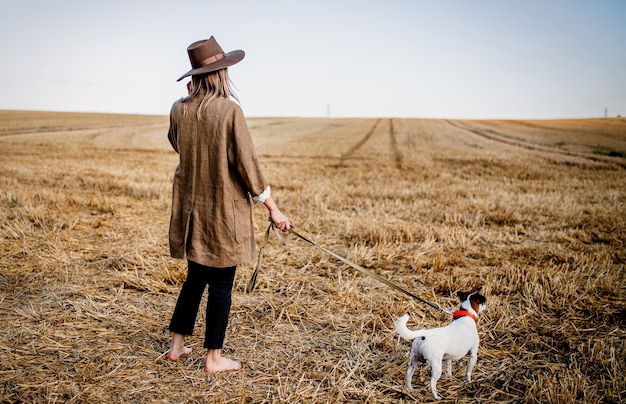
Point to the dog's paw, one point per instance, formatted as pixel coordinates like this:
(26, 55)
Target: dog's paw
(437, 396)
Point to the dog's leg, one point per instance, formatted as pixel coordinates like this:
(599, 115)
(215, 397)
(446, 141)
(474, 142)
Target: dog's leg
(410, 370)
(435, 374)
(448, 373)
(471, 361)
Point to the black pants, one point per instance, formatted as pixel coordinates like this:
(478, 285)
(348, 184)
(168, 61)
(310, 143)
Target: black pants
(220, 281)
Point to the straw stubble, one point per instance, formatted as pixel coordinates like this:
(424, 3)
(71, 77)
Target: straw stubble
(531, 211)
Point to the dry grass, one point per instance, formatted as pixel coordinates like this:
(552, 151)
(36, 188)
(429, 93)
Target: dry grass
(532, 212)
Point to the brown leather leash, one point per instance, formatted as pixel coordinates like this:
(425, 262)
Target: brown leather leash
(253, 279)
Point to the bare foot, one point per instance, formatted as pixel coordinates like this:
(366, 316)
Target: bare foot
(216, 363)
(178, 348)
(176, 353)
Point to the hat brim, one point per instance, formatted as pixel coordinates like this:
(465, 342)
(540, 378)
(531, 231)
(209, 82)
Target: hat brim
(228, 60)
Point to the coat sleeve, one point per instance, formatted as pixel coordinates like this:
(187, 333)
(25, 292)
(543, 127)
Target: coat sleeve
(172, 134)
(243, 157)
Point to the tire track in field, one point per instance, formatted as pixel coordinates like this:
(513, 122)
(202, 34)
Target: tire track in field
(393, 144)
(394, 149)
(493, 135)
(361, 142)
(523, 143)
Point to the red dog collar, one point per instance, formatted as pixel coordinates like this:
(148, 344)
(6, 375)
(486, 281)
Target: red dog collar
(463, 313)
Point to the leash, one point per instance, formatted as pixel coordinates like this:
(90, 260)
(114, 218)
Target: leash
(252, 281)
(359, 268)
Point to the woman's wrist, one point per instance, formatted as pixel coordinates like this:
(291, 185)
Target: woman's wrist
(270, 205)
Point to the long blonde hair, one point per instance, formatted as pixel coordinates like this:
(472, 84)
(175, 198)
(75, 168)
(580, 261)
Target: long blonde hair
(213, 85)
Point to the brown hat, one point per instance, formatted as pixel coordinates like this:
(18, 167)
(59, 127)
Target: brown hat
(207, 56)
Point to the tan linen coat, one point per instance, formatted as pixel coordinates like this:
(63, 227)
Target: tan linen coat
(218, 171)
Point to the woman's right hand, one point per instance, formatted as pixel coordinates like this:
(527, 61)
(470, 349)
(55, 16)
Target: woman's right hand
(280, 221)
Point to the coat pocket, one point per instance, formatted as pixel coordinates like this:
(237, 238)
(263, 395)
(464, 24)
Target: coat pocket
(242, 211)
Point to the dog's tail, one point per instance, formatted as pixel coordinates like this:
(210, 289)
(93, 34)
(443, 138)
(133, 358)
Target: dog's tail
(402, 329)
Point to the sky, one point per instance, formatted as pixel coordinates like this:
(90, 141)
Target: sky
(457, 59)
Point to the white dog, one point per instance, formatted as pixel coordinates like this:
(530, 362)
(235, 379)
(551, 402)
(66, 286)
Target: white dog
(448, 343)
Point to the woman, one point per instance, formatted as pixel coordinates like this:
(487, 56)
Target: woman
(217, 176)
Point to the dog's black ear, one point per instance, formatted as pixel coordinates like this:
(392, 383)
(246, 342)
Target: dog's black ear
(479, 298)
(462, 295)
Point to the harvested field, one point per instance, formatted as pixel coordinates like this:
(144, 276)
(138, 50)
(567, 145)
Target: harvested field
(532, 212)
